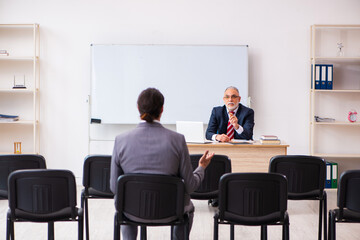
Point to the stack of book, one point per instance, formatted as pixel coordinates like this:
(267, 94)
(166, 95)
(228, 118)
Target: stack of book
(8, 118)
(269, 139)
(4, 53)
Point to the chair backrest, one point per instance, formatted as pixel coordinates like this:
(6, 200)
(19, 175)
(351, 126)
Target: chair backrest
(252, 198)
(349, 191)
(96, 175)
(42, 195)
(150, 198)
(219, 165)
(13, 162)
(305, 174)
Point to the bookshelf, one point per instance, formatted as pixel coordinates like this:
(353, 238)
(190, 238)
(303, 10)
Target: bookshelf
(22, 42)
(340, 138)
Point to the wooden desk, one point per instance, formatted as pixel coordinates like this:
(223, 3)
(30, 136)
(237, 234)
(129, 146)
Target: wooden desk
(244, 157)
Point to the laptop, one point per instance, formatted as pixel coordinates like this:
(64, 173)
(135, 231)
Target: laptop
(193, 131)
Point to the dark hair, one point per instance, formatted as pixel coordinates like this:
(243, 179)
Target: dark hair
(150, 103)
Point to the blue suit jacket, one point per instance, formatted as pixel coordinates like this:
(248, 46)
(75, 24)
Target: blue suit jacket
(219, 120)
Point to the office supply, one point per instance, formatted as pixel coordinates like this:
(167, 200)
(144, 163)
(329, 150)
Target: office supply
(268, 137)
(328, 175)
(120, 72)
(17, 147)
(319, 119)
(323, 77)
(334, 173)
(241, 141)
(317, 76)
(8, 118)
(270, 142)
(192, 131)
(329, 75)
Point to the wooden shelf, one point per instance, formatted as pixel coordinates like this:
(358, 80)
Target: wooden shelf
(16, 91)
(18, 58)
(338, 123)
(336, 91)
(337, 155)
(25, 122)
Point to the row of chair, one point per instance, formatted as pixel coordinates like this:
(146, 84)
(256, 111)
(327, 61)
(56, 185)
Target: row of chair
(244, 198)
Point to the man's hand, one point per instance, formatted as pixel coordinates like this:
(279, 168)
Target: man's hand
(205, 159)
(234, 121)
(222, 138)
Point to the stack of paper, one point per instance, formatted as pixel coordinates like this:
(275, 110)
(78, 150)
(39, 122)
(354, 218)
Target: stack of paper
(8, 118)
(269, 139)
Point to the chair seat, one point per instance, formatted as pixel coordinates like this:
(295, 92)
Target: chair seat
(204, 196)
(254, 221)
(95, 193)
(348, 215)
(46, 217)
(3, 194)
(311, 195)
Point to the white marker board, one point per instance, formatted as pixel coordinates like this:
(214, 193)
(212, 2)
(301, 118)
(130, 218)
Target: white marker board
(192, 79)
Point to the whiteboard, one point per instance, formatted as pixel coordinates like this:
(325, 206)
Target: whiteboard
(192, 79)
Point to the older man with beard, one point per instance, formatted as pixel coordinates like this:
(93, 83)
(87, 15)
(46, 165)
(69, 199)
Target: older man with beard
(231, 121)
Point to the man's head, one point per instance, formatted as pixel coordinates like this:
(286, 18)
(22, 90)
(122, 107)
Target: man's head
(231, 98)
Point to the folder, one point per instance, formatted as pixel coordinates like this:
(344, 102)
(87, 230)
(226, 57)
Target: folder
(334, 175)
(329, 76)
(328, 175)
(317, 76)
(323, 77)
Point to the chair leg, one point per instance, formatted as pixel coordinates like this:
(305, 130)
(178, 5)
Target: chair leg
(332, 226)
(285, 232)
(320, 218)
(116, 228)
(81, 227)
(9, 228)
(232, 231)
(84, 205)
(50, 230)
(263, 232)
(216, 228)
(143, 234)
(325, 213)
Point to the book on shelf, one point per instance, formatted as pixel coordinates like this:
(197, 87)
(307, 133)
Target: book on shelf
(320, 119)
(268, 137)
(8, 118)
(270, 142)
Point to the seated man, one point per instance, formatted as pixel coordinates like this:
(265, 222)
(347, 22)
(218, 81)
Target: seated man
(231, 121)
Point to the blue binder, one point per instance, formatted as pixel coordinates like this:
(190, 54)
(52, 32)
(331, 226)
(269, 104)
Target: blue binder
(323, 83)
(328, 175)
(329, 76)
(317, 76)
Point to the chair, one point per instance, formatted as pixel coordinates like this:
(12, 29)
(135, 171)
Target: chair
(209, 188)
(149, 200)
(12, 162)
(42, 196)
(306, 180)
(348, 201)
(252, 199)
(96, 182)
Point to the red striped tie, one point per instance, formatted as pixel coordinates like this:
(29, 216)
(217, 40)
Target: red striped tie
(230, 129)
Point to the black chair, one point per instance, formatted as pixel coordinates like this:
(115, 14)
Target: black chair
(252, 199)
(42, 196)
(209, 188)
(306, 180)
(12, 162)
(96, 182)
(348, 201)
(149, 200)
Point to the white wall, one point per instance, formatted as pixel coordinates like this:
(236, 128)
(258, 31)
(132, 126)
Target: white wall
(277, 32)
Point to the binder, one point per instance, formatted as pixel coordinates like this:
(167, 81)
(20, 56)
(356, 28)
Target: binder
(334, 175)
(323, 77)
(328, 175)
(329, 76)
(317, 76)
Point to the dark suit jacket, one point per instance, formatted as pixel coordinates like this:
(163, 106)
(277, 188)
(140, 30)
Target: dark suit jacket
(219, 120)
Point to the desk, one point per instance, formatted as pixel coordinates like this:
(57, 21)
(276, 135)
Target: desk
(244, 157)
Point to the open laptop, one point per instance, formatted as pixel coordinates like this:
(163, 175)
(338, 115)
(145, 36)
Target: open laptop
(193, 131)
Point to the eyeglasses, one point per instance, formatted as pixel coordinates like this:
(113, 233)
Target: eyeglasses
(232, 97)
